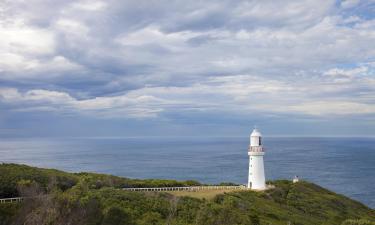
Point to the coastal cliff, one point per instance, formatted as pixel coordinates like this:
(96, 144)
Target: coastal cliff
(57, 198)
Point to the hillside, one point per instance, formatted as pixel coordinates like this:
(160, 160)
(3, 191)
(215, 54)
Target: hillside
(95, 199)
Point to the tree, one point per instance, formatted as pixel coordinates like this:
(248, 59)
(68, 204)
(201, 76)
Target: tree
(254, 220)
(151, 218)
(116, 216)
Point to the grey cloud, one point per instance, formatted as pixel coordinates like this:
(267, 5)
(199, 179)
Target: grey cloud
(103, 49)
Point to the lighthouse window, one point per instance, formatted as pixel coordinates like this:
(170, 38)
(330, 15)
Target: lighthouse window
(260, 140)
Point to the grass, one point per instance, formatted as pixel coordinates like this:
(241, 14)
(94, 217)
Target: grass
(201, 194)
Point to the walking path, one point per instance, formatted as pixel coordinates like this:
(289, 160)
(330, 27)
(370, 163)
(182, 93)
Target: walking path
(155, 189)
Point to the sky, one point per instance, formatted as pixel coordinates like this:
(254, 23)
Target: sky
(90, 68)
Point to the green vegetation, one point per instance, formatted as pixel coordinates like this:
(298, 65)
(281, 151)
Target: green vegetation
(14, 175)
(95, 199)
(201, 194)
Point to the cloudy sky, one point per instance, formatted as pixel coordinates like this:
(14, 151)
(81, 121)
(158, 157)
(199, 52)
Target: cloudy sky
(215, 68)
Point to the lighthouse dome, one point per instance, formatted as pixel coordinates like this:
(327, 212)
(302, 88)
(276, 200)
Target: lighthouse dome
(255, 138)
(256, 133)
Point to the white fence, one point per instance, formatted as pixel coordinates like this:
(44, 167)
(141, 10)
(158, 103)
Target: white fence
(190, 188)
(5, 200)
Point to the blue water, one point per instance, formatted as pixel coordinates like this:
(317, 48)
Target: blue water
(344, 165)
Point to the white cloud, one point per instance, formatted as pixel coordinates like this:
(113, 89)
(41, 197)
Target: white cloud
(337, 108)
(18, 38)
(349, 3)
(89, 5)
(296, 14)
(21, 67)
(153, 35)
(15, 62)
(349, 73)
(72, 27)
(116, 106)
(30, 52)
(12, 95)
(306, 57)
(22, 46)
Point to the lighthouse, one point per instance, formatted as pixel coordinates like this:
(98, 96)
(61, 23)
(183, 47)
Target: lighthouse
(257, 179)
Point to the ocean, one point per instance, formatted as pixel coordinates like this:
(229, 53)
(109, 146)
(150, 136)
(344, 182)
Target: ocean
(343, 165)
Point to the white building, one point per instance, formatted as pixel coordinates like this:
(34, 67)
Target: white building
(257, 179)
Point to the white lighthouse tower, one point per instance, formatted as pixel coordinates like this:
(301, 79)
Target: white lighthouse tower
(257, 179)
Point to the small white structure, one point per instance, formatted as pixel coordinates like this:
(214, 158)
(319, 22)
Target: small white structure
(295, 179)
(257, 178)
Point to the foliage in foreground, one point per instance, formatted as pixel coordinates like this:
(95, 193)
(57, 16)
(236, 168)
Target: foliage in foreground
(94, 199)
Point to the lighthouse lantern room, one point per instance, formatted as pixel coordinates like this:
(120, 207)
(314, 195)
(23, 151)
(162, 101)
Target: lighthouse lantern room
(257, 179)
